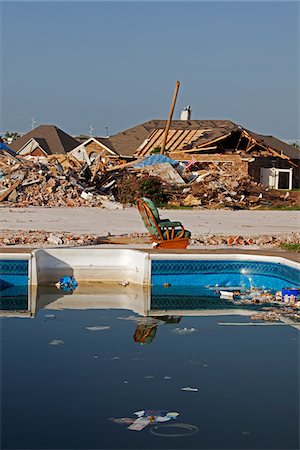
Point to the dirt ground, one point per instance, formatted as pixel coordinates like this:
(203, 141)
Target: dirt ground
(127, 221)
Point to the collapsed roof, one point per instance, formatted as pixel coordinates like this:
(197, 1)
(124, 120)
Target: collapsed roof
(196, 135)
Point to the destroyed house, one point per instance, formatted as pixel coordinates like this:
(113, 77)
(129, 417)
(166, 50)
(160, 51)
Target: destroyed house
(92, 147)
(267, 159)
(43, 141)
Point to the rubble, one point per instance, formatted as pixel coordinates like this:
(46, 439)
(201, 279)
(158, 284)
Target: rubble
(62, 180)
(220, 185)
(58, 180)
(42, 238)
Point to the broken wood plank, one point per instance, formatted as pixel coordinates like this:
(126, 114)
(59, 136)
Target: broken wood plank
(122, 166)
(10, 189)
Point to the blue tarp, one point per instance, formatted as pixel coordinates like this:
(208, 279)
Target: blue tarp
(155, 159)
(4, 147)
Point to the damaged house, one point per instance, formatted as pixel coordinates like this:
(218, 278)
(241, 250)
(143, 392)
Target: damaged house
(92, 148)
(44, 140)
(268, 160)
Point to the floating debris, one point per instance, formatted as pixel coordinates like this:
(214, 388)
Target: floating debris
(97, 328)
(184, 330)
(56, 342)
(189, 389)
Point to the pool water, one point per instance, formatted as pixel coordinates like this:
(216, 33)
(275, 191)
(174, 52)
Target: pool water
(210, 273)
(66, 373)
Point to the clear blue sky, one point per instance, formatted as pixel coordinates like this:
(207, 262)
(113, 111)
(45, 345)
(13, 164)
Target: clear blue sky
(115, 64)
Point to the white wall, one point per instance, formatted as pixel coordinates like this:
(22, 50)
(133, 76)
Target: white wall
(90, 265)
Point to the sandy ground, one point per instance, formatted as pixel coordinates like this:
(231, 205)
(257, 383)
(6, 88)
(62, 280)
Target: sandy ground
(125, 221)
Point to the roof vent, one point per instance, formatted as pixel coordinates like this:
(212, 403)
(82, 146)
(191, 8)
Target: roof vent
(186, 113)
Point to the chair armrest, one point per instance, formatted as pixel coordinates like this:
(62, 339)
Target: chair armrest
(169, 224)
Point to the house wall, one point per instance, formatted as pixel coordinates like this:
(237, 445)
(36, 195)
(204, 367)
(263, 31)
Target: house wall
(93, 147)
(37, 152)
(279, 163)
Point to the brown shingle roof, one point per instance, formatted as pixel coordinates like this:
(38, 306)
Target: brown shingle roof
(106, 141)
(55, 140)
(127, 142)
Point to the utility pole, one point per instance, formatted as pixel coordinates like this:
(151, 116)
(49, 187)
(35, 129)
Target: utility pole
(33, 122)
(170, 118)
(91, 131)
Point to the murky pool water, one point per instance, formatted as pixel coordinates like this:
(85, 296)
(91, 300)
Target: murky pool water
(67, 372)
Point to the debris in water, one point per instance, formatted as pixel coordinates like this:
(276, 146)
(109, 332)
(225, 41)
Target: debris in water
(56, 342)
(97, 328)
(184, 330)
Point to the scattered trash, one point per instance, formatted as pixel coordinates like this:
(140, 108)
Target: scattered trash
(97, 328)
(67, 283)
(49, 317)
(226, 294)
(184, 330)
(124, 283)
(54, 240)
(56, 342)
(290, 295)
(166, 285)
(189, 389)
(145, 418)
(139, 424)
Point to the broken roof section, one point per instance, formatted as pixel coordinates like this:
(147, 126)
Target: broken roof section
(135, 141)
(197, 135)
(276, 144)
(51, 138)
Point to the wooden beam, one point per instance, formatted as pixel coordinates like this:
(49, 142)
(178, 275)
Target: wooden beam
(183, 156)
(194, 150)
(214, 140)
(170, 117)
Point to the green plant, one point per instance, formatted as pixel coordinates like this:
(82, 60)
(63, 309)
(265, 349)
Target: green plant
(152, 187)
(155, 150)
(291, 247)
(128, 189)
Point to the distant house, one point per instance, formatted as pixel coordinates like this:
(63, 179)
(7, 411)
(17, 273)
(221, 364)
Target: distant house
(94, 146)
(44, 140)
(266, 158)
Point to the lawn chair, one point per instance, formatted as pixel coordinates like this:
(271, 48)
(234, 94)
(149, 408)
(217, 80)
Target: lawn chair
(163, 232)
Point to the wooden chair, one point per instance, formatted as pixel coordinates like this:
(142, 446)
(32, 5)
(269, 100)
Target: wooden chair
(163, 232)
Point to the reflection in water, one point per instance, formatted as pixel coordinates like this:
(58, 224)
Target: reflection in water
(78, 360)
(145, 332)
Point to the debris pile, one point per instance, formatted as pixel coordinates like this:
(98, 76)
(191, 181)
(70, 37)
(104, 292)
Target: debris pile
(42, 238)
(62, 180)
(220, 185)
(59, 180)
(273, 306)
(269, 240)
